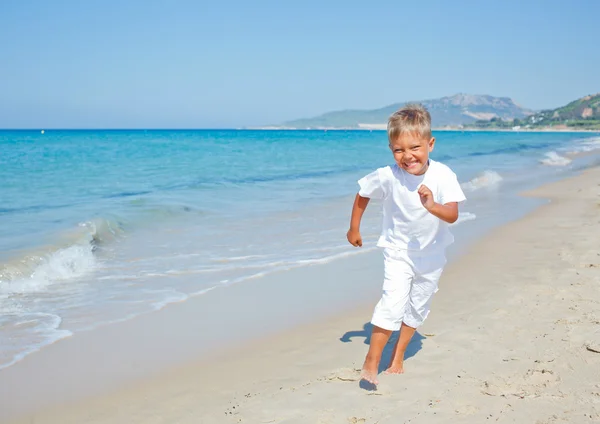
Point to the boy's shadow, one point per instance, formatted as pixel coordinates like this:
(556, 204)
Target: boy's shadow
(415, 345)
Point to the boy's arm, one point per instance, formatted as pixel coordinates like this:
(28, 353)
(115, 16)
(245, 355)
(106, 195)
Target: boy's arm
(358, 209)
(447, 212)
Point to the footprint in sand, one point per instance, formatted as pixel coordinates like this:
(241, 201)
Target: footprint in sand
(591, 317)
(467, 410)
(551, 420)
(345, 374)
(541, 378)
(593, 346)
(547, 357)
(532, 384)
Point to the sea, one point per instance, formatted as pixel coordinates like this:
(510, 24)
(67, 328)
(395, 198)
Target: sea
(98, 227)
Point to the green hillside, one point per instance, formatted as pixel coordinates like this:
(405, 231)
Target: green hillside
(582, 113)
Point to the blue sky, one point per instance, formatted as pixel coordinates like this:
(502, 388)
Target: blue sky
(228, 63)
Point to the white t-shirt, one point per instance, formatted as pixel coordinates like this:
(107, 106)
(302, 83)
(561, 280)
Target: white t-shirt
(406, 222)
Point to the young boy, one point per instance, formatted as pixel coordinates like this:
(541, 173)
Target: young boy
(420, 198)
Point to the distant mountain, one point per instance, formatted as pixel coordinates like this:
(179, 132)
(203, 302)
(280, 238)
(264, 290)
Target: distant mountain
(582, 113)
(455, 110)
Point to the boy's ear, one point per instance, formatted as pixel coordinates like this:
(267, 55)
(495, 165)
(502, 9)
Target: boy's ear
(431, 143)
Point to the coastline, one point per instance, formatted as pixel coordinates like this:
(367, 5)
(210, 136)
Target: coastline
(364, 127)
(477, 349)
(382, 127)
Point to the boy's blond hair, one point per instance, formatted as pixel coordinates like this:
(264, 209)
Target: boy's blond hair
(410, 119)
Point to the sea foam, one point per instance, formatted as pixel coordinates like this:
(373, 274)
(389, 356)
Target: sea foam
(485, 179)
(464, 217)
(587, 145)
(42, 329)
(554, 159)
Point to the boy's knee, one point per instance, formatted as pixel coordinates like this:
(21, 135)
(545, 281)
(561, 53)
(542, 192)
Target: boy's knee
(414, 321)
(415, 316)
(386, 324)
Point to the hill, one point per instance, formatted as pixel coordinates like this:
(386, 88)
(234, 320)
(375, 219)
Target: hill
(582, 113)
(454, 110)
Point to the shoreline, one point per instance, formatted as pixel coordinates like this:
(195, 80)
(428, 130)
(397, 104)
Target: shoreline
(382, 128)
(376, 128)
(288, 350)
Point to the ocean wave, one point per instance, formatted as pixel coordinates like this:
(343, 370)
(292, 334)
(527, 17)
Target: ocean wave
(72, 256)
(554, 159)
(464, 217)
(521, 147)
(28, 280)
(586, 145)
(485, 179)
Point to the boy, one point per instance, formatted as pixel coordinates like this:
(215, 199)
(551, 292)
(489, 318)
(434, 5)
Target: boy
(420, 198)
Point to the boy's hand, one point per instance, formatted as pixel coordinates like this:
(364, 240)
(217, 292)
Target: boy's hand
(426, 197)
(354, 237)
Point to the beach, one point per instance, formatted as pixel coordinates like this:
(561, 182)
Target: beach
(181, 190)
(513, 336)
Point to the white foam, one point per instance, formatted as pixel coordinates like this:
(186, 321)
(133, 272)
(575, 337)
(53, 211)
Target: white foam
(288, 265)
(173, 296)
(485, 179)
(464, 217)
(554, 159)
(43, 330)
(72, 257)
(239, 258)
(203, 291)
(587, 145)
(63, 264)
(19, 291)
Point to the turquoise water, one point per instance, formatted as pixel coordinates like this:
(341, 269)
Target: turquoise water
(100, 226)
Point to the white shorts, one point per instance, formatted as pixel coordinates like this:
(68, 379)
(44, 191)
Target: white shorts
(410, 281)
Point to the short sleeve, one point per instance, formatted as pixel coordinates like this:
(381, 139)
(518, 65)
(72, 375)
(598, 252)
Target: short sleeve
(371, 186)
(451, 190)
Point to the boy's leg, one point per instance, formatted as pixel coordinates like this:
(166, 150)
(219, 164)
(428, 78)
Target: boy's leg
(389, 311)
(424, 286)
(379, 338)
(397, 361)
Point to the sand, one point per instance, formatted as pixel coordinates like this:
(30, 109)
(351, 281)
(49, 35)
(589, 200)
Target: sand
(514, 336)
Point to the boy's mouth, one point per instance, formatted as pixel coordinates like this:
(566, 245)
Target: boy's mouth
(410, 164)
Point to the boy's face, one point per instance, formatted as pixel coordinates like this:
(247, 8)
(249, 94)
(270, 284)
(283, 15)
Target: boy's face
(411, 152)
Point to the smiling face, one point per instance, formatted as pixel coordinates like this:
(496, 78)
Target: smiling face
(411, 152)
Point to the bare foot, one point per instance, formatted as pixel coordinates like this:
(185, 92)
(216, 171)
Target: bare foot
(395, 369)
(369, 371)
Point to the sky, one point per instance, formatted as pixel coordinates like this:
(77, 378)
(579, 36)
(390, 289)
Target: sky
(232, 63)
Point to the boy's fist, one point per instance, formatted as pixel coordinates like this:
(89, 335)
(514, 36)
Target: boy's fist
(354, 238)
(426, 197)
